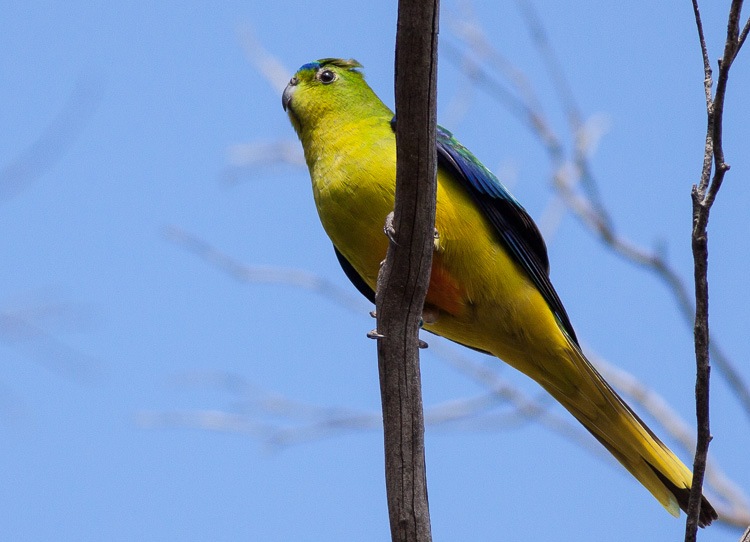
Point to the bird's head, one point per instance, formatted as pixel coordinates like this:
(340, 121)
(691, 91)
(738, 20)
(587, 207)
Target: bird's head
(327, 89)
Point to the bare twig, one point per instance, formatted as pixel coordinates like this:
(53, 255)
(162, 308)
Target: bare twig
(39, 157)
(24, 328)
(265, 274)
(268, 65)
(567, 99)
(703, 195)
(248, 157)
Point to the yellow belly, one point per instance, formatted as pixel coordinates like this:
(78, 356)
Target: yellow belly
(481, 297)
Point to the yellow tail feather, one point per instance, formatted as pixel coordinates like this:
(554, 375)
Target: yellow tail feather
(607, 417)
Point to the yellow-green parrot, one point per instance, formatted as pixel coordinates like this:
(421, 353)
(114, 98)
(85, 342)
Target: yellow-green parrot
(489, 286)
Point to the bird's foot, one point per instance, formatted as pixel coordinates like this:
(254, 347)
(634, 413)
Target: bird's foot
(388, 228)
(373, 334)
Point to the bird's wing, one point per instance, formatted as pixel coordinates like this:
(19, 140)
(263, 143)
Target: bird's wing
(513, 226)
(356, 279)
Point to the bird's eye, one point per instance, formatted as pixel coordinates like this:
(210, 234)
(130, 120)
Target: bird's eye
(326, 77)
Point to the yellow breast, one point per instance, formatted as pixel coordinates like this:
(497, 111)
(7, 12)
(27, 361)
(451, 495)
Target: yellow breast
(477, 292)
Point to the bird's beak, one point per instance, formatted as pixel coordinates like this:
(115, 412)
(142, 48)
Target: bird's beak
(286, 98)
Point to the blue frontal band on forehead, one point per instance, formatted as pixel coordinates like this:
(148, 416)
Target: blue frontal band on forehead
(310, 66)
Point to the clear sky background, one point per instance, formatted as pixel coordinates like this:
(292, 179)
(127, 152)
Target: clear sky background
(117, 122)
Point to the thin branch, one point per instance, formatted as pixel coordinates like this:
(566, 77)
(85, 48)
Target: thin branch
(518, 107)
(265, 274)
(278, 421)
(41, 155)
(560, 83)
(248, 157)
(269, 66)
(743, 34)
(703, 196)
(24, 329)
(707, 81)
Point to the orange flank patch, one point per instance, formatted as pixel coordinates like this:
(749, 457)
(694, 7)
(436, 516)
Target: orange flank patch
(445, 292)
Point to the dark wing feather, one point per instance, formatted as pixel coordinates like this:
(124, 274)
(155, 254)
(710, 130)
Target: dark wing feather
(514, 227)
(354, 277)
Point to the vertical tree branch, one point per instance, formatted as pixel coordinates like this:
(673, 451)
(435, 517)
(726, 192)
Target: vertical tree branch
(703, 196)
(404, 277)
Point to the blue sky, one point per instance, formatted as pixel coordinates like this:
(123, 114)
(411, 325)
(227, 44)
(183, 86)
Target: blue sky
(108, 321)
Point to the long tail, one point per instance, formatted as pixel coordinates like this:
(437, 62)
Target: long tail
(586, 395)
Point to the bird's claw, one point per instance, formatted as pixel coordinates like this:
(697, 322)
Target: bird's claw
(375, 335)
(388, 228)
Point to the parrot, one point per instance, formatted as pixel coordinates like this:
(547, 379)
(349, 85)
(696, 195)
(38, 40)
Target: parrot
(489, 286)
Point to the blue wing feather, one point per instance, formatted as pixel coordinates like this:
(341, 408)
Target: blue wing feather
(514, 227)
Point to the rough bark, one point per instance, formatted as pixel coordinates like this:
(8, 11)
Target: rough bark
(404, 277)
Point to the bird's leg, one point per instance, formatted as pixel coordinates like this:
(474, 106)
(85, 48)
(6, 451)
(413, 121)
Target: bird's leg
(373, 334)
(429, 314)
(389, 230)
